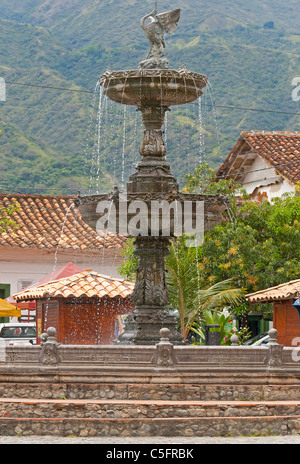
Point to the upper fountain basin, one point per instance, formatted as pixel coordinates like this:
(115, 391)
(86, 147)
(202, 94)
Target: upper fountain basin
(153, 87)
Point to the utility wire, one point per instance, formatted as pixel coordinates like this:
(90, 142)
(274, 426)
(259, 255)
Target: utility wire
(254, 109)
(49, 87)
(217, 106)
(258, 170)
(2, 185)
(215, 177)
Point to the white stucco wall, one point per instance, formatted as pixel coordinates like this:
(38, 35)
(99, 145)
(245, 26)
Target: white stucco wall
(260, 171)
(18, 265)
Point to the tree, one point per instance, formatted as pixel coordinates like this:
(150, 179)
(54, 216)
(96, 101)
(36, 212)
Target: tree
(255, 245)
(204, 180)
(257, 249)
(182, 283)
(269, 25)
(212, 299)
(186, 294)
(6, 219)
(128, 267)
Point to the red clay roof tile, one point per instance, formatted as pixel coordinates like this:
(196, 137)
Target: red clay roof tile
(83, 284)
(284, 291)
(278, 149)
(41, 225)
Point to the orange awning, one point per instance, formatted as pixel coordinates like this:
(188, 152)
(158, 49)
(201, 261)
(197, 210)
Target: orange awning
(29, 305)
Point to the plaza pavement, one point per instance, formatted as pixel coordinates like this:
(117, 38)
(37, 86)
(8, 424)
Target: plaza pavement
(285, 439)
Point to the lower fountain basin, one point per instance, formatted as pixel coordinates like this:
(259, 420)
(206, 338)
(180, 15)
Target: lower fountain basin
(153, 87)
(151, 214)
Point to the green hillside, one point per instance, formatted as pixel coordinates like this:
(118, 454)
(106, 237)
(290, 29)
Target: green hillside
(250, 53)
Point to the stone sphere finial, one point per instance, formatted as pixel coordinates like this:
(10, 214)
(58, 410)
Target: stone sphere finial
(44, 337)
(234, 340)
(51, 331)
(51, 335)
(164, 333)
(273, 336)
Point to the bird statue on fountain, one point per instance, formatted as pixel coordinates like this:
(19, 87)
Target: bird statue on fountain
(155, 26)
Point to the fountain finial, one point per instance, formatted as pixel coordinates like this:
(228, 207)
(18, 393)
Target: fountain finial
(155, 25)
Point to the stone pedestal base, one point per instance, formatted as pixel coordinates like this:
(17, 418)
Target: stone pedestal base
(155, 62)
(143, 327)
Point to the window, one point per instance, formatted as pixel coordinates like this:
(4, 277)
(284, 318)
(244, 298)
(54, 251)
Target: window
(4, 293)
(17, 332)
(23, 284)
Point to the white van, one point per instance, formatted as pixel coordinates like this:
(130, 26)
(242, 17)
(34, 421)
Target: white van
(18, 333)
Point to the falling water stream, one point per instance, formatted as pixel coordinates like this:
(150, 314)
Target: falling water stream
(123, 148)
(214, 110)
(110, 142)
(91, 123)
(201, 133)
(166, 130)
(120, 149)
(115, 142)
(98, 145)
(61, 235)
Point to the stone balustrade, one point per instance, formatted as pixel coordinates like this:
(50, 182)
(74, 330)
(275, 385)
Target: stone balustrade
(164, 356)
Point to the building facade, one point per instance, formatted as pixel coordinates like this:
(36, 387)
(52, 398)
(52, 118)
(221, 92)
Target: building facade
(49, 233)
(266, 163)
(85, 308)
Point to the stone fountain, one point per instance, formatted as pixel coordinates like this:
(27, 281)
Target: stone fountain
(153, 89)
(93, 378)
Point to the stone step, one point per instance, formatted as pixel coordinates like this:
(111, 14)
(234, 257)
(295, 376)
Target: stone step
(64, 417)
(166, 427)
(138, 391)
(151, 409)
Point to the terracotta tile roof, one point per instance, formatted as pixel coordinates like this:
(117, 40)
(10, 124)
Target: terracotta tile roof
(48, 221)
(280, 292)
(83, 284)
(64, 271)
(280, 150)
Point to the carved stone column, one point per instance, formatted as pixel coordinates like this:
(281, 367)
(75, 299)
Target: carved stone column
(153, 173)
(150, 295)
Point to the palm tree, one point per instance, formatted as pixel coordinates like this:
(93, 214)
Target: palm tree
(182, 281)
(183, 286)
